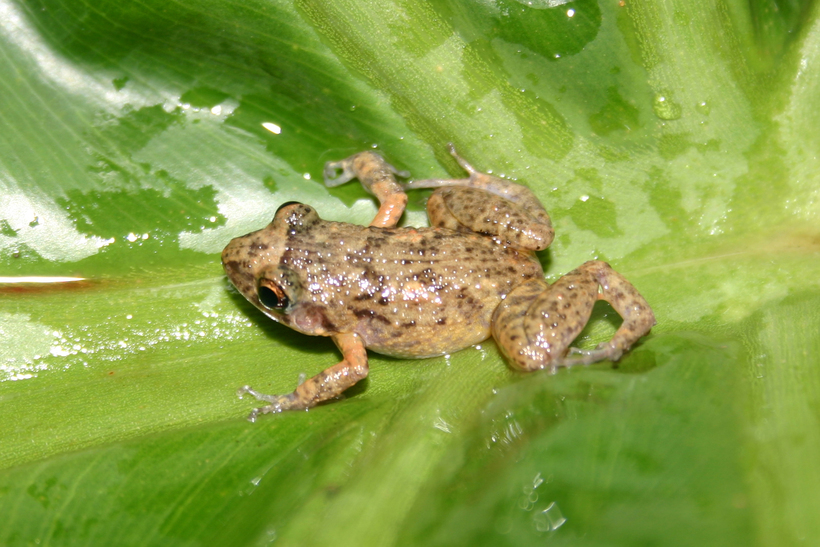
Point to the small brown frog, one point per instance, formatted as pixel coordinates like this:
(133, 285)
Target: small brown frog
(421, 292)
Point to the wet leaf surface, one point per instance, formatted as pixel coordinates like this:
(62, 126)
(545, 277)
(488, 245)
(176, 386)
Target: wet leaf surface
(676, 140)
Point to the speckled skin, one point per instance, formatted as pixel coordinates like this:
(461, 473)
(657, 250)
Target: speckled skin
(420, 292)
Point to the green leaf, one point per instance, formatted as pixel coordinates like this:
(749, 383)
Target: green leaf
(676, 140)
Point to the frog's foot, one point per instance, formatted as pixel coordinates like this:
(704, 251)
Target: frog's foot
(438, 183)
(337, 173)
(377, 177)
(488, 205)
(504, 188)
(536, 323)
(278, 403)
(328, 384)
(604, 351)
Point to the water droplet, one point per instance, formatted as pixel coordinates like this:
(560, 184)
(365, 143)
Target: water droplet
(703, 107)
(503, 525)
(272, 127)
(549, 519)
(665, 108)
(441, 425)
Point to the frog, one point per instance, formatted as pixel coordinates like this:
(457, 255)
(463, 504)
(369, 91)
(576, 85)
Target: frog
(420, 292)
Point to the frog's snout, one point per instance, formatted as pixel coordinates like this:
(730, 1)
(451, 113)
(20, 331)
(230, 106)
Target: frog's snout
(237, 267)
(232, 267)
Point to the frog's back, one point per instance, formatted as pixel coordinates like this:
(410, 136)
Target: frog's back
(411, 292)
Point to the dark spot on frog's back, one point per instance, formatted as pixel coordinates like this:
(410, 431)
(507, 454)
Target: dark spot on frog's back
(373, 242)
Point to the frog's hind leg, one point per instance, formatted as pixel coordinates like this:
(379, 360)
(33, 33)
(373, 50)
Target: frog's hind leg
(536, 323)
(328, 384)
(488, 205)
(377, 177)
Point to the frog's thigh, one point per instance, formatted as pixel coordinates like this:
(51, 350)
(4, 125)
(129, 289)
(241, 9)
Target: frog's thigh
(481, 211)
(328, 384)
(439, 215)
(536, 323)
(535, 329)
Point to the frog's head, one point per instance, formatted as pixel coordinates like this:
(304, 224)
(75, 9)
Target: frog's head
(254, 265)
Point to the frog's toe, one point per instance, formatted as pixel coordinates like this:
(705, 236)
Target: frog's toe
(602, 352)
(278, 403)
(269, 409)
(337, 173)
(255, 414)
(451, 148)
(260, 396)
(577, 357)
(403, 173)
(611, 351)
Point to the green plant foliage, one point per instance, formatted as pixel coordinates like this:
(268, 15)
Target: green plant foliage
(677, 140)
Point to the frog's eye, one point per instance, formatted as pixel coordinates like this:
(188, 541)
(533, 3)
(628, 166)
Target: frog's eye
(271, 295)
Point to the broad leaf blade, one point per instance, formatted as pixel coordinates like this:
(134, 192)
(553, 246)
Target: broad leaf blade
(677, 141)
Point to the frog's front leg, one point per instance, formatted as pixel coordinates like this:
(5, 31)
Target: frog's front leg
(328, 384)
(377, 177)
(536, 323)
